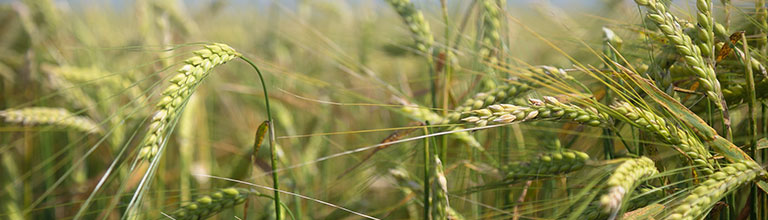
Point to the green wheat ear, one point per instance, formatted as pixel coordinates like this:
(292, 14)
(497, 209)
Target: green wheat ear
(209, 205)
(552, 163)
(183, 84)
(623, 180)
(50, 116)
(416, 24)
(717, 185)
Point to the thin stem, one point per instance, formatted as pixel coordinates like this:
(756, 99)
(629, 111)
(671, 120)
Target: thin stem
(752, 118)
(751, 100)
(426, 172)
(273, 152)
(447, 68)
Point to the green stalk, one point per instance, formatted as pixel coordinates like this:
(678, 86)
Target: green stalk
(751, 100)
(426, 172)
(447, 79)
(273, 152)
(750, 78)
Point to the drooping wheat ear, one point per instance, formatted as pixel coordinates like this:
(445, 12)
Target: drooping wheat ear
(670, 134)
(549, 108)
(491, 39)
(623, 180)
(440, 192)
(182, 86)
(416, 24)
(717, 185)
(50, 116)
(209, 205)
(692, 55)
(424, 114)
(507, 92)
(551, 163)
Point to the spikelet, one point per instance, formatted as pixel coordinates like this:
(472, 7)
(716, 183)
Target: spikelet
(50, 116)
(717, 185)
(416, 24)
(552, 163)
(209, 205)
(623, 179)
(182, 86)
(548, 108)
(670, 134)
(669, 26)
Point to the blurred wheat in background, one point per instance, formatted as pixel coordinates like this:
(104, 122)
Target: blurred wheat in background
(383, 109)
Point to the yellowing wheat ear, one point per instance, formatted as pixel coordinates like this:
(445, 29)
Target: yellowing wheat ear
(182, 85)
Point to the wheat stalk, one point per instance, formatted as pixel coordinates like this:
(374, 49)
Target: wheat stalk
(50, 116)
(717, 185)
(623, 179)
(692, 55)
(209, 205)
(182, 86)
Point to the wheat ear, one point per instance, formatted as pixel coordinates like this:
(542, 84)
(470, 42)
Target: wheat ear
(705, 28)
(507, 92)
(647, 196)
(210, 205)
(433, 118)
(416, 24)
(552, 163)
(670, 134)
(50, 116)
(182, 86)
(408, 186)
(548, 108)
(491, 39)
(440, 191)
(692, 55)
(623, 180)
(717, 185)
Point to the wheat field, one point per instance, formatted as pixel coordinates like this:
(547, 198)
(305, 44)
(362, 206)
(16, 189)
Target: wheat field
(384, 109)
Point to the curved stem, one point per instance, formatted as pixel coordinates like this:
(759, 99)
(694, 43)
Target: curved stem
(273, 154)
